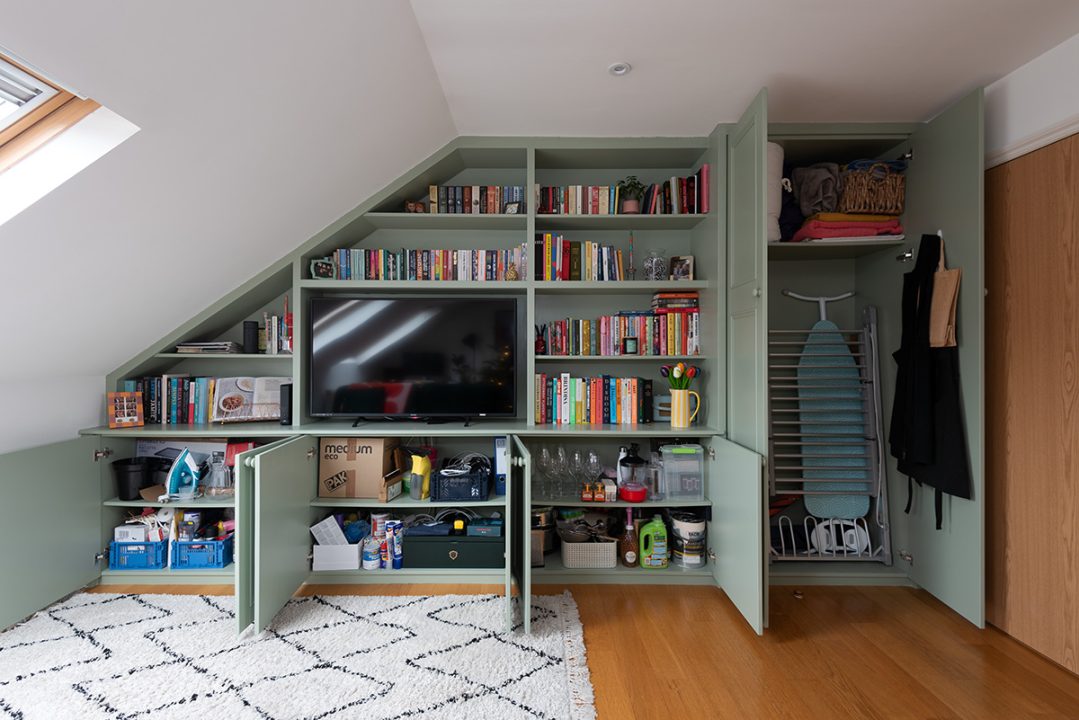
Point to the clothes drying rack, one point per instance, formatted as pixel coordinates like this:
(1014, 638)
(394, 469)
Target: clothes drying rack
(804, 452)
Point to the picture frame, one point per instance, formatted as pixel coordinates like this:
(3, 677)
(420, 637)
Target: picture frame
(630, 346)
(323, 269)
(681, 267)
(124, 409)
(512, 208)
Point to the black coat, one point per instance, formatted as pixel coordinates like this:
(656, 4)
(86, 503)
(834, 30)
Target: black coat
(927, 436)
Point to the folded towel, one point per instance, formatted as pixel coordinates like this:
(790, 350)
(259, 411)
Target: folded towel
(818, 229)
(850, 217)
(816, 187)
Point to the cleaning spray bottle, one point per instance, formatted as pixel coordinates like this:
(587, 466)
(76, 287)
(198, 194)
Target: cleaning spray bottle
(654, 544)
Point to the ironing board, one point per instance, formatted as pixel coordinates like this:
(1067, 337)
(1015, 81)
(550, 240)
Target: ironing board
(831, 372)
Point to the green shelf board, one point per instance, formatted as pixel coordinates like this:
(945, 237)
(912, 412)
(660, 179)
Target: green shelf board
(440, 221)
(618, 222)
(165, 576)
(464, 575)
(214, 430)
(403, 502)
(550, 502)
(618, 358)
(501, 287)
(830, 249)
(201, 502)
(622, 287)
(640, 430)
(374, 428)
(554, 571)
(221, 356)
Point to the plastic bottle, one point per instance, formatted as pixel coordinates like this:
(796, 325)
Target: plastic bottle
(654, 544)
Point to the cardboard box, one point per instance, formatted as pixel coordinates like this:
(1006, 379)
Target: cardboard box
(352, 467)
(336, 557)
(392, 487)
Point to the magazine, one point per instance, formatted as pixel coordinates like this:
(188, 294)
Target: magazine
(246, 399)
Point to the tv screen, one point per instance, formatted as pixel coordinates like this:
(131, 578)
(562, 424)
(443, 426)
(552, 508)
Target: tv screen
(413, 357)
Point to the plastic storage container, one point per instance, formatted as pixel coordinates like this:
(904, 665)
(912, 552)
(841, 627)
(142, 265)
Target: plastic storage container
(137, 555)
(201, 554)
(683, 471)
(469, 486)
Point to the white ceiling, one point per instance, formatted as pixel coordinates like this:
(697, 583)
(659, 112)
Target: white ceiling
(539, 68)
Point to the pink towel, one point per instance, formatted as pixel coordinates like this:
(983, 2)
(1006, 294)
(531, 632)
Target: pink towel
(820, 229)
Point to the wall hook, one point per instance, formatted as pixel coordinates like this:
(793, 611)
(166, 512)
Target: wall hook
(905, 256)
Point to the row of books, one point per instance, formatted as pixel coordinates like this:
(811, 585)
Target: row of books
(179, 399)
(383, 264)
(557, 258)
(566, 400)
(627, 333)
(275, 335)
(676, 196)
(476, 199)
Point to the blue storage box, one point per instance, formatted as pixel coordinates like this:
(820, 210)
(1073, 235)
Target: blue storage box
(137, 555)
(201, 554)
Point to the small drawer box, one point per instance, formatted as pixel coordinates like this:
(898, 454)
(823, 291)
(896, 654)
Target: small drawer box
(336, 557)
(453, 551)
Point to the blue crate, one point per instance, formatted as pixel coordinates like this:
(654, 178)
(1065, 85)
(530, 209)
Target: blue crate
(201, 554)
(137, 555)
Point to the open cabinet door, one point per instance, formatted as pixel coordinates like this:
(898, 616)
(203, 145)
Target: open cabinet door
(747, 275)
(736, 540)
(244, 554)
(519, 490)
(945, 192)
(36, 484)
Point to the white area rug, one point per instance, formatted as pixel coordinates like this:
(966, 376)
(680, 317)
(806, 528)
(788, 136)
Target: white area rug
(176, 656)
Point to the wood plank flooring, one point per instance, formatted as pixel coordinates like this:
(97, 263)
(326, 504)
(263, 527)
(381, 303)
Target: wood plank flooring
(833, 652)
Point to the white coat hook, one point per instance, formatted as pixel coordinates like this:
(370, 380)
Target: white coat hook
(940, 234)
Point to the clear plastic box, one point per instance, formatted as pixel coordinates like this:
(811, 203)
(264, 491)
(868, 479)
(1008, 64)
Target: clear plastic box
(683, 471)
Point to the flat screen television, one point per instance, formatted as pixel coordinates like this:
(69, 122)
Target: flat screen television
(412, 357)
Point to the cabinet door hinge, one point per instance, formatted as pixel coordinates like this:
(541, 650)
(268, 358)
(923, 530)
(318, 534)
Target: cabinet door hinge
(711, 453)
(102, 453)
(310, 453)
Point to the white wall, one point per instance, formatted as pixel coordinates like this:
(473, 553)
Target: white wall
(1034, 105)
(261, 123)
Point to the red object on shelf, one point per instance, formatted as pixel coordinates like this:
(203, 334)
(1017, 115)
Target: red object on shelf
(632, 492)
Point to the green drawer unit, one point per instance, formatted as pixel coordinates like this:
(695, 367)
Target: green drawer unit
(454, 551)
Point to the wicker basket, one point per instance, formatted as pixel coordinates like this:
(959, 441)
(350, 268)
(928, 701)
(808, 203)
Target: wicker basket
(590, 554)
(876, 190)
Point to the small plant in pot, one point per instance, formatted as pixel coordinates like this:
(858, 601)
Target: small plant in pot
(630, 192)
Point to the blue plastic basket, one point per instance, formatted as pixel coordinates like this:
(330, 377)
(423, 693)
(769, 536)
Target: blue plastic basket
(137, 555)
(201, 554)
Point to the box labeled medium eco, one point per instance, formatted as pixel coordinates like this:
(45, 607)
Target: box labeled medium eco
(352, 467)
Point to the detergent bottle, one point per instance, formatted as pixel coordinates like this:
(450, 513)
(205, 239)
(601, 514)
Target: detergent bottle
(654, 544)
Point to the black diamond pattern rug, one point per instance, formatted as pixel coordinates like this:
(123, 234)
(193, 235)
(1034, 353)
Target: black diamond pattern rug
(404, 657)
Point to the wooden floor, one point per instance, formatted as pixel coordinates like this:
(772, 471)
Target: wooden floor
(684, 652)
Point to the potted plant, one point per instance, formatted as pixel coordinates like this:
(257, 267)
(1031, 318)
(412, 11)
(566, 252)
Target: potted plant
(630, 192)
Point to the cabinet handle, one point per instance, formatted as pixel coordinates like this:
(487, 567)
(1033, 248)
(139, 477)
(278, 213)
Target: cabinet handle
(756, 292)
(453, 554)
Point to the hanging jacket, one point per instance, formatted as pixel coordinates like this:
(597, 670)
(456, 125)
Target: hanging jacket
(927, 436)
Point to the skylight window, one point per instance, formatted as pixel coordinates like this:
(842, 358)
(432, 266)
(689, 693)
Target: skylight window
(20, 93)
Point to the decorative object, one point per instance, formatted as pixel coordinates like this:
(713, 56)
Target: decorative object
(629, 346)
(682, 267)
(415, 206)
(511, 273)
(322, 268)
(655, 267)
(679, 377)
(167, 656)
(124, 409)
(630, 191)
(541, 343)
(512, 208)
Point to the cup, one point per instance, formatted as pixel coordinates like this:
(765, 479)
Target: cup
(680, 415)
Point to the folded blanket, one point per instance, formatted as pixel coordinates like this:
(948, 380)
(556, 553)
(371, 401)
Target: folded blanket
(850, 217)
(819, 229)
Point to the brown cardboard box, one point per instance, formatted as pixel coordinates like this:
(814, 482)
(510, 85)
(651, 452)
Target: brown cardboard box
(351, 467)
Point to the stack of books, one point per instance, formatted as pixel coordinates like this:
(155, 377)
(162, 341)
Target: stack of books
(207, 348)
(671, 327)
(476, 199)
(179, 399)
(382, 264)
(565, 400)
(675, 196)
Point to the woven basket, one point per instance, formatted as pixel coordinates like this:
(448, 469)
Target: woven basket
(876, 190)
(590, 555)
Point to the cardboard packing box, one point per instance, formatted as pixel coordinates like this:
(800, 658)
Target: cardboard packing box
(352, 467)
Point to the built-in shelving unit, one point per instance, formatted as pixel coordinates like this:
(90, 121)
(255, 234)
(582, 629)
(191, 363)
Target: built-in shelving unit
(205, 501)
(405, 503)
(830, 249)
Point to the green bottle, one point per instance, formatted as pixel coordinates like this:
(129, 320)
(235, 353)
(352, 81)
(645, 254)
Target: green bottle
(654, 544)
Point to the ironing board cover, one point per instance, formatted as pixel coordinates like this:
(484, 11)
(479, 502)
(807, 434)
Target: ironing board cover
(825, 347)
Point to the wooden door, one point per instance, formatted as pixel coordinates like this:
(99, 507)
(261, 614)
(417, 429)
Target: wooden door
(736, 535)
(943, 192)
(747, 277)
(1032, 427)
(50, 524)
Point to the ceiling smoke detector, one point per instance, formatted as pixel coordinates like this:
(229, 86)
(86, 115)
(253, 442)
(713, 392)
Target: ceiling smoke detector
(619, 69)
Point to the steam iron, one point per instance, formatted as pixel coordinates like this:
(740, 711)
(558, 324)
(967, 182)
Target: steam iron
(182, 482)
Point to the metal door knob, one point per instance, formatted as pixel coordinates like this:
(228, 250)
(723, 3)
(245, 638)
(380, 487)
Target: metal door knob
(756, 292)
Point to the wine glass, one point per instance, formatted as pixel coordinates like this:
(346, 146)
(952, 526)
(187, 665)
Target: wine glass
(563, 481)
(579, 472)
(544, 489)
(595, 467)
